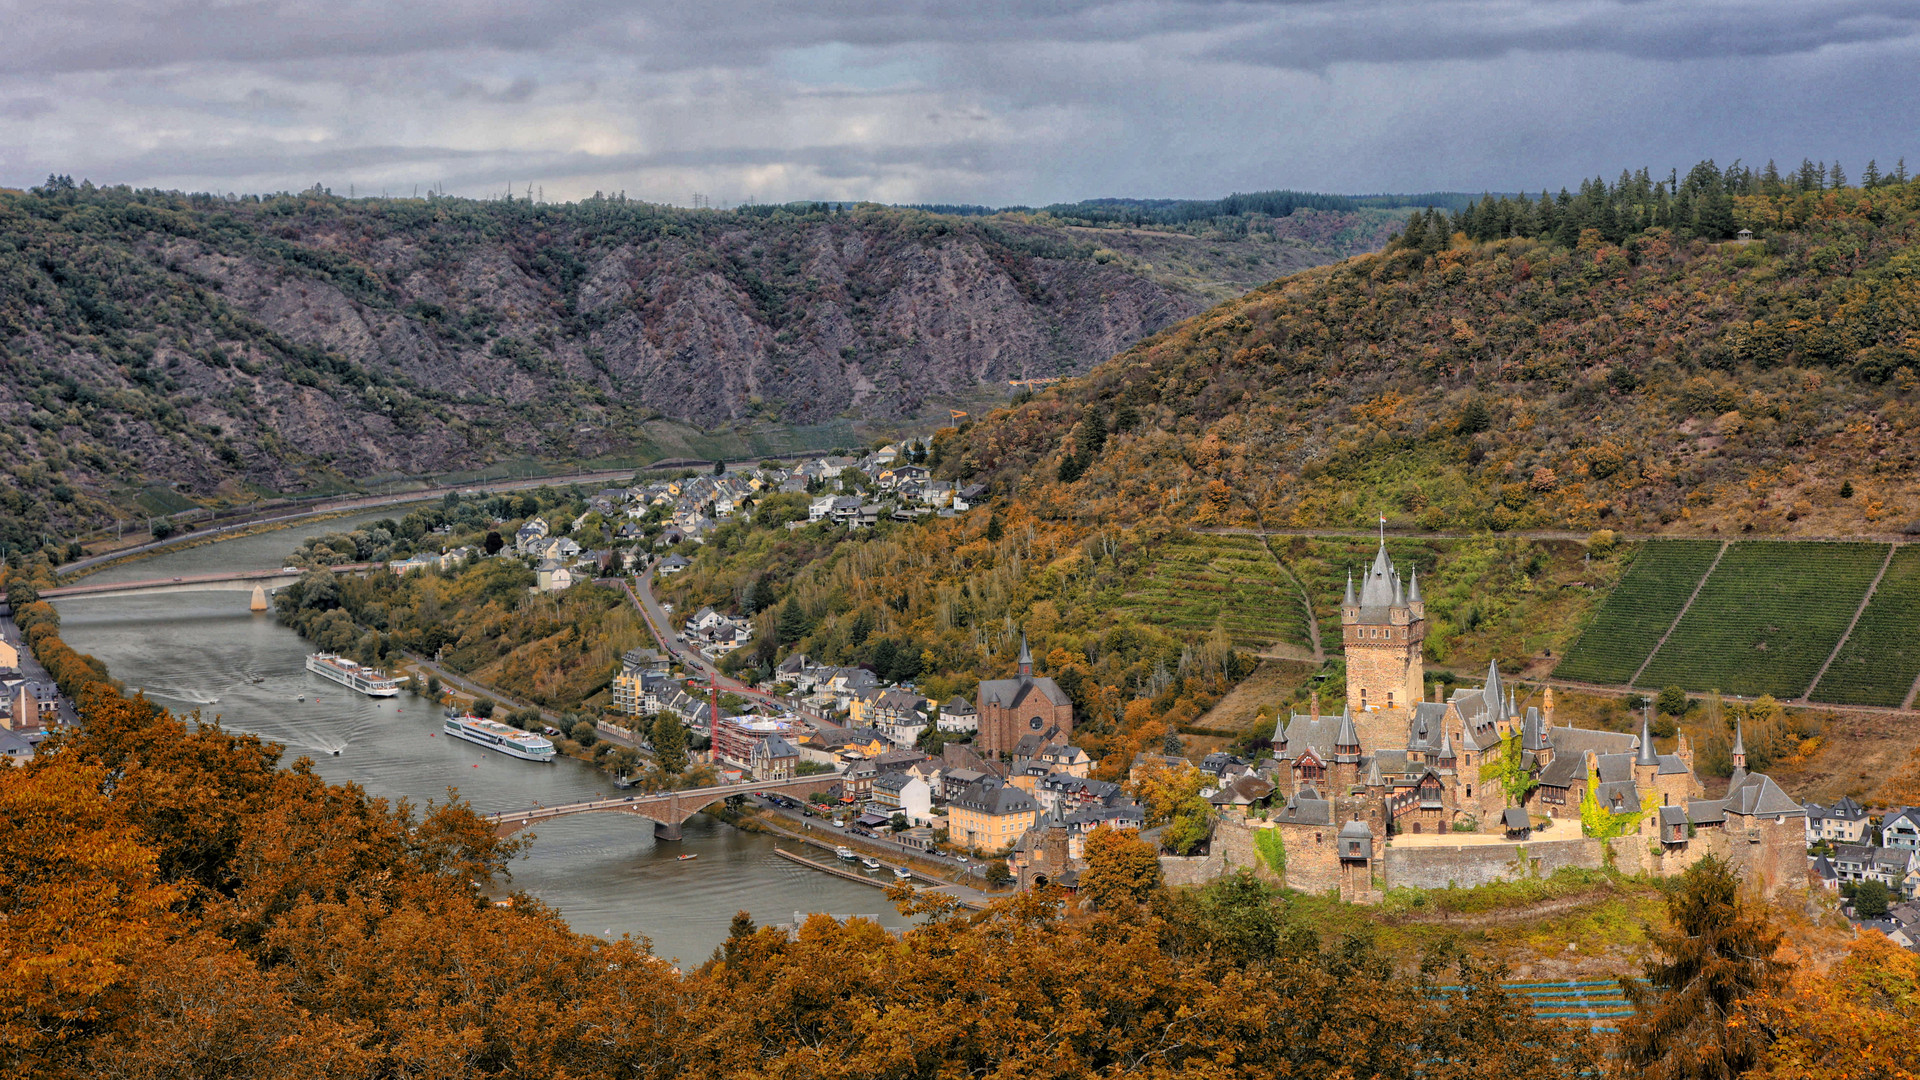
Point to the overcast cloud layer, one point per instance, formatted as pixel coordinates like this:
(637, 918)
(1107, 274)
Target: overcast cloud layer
(1013, 101)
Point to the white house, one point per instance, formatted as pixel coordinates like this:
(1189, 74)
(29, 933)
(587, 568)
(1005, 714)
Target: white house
(552, 577)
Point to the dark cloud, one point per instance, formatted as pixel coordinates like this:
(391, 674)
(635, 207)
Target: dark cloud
(1014, 101)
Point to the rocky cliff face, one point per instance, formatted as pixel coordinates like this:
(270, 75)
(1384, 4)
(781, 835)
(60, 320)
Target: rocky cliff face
(203, 342)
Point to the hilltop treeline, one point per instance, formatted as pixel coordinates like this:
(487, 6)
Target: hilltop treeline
(1700, 204)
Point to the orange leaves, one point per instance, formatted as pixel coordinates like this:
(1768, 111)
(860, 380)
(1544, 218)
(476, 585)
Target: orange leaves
(78, 901)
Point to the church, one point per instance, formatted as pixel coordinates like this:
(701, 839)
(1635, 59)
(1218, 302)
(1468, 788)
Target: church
(1025, 706)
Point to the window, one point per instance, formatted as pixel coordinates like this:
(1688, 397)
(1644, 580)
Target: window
(1389, 699)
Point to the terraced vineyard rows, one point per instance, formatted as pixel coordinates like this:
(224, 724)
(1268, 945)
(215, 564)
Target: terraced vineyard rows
(1639, 610)
(1767, 618)
(1881, 659)
(1200, 581)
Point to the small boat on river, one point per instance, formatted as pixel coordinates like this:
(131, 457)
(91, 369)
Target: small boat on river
(684, 858)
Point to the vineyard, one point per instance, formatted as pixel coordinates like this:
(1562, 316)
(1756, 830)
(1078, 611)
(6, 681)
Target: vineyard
(1639, 610)
(1881, 659)
(1197, 582)
(1767, 618)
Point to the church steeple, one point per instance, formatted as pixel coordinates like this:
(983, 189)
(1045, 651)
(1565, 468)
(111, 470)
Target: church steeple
(1026, 658)
(1739, 747)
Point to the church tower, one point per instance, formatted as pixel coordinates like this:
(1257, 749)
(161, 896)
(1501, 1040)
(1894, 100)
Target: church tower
(1383, 631)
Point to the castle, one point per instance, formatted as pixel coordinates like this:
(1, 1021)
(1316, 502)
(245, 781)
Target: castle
(1391, 763)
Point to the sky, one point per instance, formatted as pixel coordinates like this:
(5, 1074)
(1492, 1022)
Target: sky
(979, 101)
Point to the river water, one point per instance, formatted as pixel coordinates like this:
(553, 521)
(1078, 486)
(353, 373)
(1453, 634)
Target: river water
(604, 872)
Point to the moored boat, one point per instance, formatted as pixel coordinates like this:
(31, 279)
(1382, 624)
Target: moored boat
(845, 853)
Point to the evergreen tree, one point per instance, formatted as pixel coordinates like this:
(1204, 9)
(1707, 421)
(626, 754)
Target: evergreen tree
(1720, 952)
(792, 625)
(1838, 177)
(1871, 178)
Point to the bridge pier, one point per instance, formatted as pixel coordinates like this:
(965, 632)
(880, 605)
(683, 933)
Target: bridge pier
(664, 831)
(259, 602)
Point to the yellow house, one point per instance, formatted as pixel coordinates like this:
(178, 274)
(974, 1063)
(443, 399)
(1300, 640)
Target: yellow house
(989, 815)
(9, 656)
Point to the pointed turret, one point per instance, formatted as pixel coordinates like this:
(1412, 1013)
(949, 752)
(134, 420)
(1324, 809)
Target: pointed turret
(1399, 593)
(1492, 693)
(1739, 747)
(1374, 779)
(1346, 744)
(1446, 749)
(1351, 599)
(1413, 587)
(1378, 588)
(1026, 658)
(1646, 756)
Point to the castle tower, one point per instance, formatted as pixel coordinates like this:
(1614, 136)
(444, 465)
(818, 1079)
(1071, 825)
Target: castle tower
(1346, 755)
(1383, 630)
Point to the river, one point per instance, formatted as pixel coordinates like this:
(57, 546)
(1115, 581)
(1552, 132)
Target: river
(604, 872)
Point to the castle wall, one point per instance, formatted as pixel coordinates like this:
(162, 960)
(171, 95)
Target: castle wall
(1769, 854)
(1190, 869)
(1479, 864)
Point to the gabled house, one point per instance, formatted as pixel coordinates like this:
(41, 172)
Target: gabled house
(1901, 829)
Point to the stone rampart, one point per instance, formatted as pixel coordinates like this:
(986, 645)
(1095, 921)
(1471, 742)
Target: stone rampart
(1467, 865)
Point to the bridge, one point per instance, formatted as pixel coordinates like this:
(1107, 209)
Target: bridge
(257, 582)
(666, 809)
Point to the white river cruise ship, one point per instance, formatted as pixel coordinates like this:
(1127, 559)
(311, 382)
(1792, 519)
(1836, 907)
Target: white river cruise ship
(495, 735)
(353, 676)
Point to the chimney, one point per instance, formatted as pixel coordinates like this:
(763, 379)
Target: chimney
(1314, 704)
(1546, 710)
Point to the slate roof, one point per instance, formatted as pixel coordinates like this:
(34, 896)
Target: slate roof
(1750, 795)
(774, 746)
(993, 797)
(1513, 817)
(1303, 809)
(1124, 816)
(1303, 731)
(1010, 693)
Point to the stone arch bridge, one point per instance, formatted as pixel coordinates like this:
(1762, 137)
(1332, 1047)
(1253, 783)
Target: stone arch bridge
(666, 809)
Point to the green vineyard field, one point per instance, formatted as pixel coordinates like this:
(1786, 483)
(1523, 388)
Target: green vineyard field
(1639, 610)
(1881, 659)
(1199, 582)
(1767, 618)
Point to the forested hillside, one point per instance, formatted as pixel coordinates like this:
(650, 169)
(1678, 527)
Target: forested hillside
(161, 347)
(1672, 380)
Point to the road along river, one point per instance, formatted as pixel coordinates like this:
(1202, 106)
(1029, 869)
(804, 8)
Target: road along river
(604, 872)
